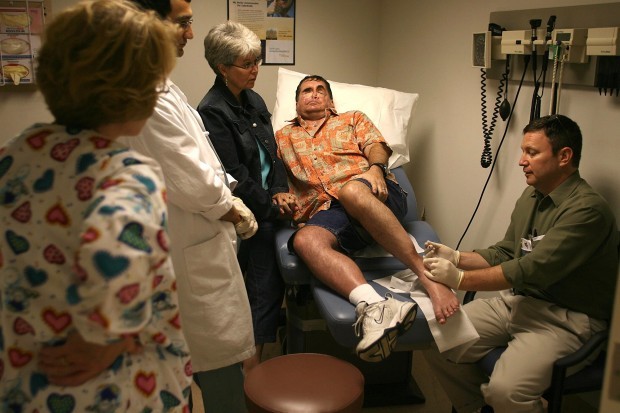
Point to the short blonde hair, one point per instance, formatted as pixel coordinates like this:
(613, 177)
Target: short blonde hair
(104, 61)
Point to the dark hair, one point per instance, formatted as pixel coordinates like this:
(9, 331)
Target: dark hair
(318, 79)
(561, 131)
(162, 7)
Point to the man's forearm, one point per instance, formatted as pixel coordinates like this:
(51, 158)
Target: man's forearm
(485, 279)
(472, 261)
(479, 275)
(378, 153)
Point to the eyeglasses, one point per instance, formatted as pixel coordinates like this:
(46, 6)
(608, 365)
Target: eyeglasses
(184, 23)
(249, 65)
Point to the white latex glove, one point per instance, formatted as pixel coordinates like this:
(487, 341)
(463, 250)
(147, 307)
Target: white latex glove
(443, 271)
(248, 225)
(435, 249)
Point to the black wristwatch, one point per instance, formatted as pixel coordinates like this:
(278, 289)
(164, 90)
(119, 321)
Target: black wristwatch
(383, 167)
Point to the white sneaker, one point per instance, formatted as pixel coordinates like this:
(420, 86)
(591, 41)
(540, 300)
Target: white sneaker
(379, 325)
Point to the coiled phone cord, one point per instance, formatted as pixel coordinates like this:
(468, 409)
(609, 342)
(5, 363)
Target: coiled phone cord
(502, 107)
(488, 129)
(499, 147)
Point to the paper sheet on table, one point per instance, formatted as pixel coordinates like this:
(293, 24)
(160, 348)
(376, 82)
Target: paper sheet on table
(457, 335)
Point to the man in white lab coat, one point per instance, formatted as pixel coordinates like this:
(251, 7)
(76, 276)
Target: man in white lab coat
(204, 221)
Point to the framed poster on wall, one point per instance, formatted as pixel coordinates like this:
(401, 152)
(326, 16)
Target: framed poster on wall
(21, 27)
(273, 21)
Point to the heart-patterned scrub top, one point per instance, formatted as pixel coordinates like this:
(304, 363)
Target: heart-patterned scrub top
(84, 248)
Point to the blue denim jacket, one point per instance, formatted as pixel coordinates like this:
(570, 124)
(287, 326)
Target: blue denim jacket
(234, 130)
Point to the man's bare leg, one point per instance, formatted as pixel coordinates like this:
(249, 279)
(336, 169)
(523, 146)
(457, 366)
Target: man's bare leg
(379, 319)
(318, 248)
(380, 222)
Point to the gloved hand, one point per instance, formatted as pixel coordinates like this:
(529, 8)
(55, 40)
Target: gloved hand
(248, 225)
(435, 249)
(443, 271)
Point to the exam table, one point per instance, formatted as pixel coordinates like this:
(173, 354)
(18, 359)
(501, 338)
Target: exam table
(321, 321)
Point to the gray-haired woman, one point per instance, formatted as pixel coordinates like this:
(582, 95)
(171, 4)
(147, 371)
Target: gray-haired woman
(239, 126)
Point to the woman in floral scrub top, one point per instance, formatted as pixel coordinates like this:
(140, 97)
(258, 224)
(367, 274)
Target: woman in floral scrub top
(84, 250)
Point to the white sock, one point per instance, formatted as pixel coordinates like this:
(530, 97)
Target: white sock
(364, 292)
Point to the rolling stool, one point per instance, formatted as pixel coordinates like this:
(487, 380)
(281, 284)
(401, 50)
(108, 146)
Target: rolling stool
(304, 383)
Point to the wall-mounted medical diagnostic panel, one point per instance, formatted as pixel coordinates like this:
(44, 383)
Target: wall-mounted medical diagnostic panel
(576, 36)
(549, 48)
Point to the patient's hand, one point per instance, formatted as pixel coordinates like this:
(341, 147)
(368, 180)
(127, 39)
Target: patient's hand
(287, 202)
(378, 186)
(77, 361)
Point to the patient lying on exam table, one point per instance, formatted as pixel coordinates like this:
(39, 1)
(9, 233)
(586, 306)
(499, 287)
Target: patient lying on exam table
(337, 168)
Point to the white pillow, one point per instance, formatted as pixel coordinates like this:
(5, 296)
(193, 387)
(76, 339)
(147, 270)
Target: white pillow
(389, 110)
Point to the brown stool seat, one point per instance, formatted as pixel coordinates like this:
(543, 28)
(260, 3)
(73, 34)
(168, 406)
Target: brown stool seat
(304, 383)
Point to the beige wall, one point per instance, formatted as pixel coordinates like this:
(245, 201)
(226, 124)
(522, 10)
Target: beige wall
(425, 47)
(328, 47)
(339, 39)
(414, 46)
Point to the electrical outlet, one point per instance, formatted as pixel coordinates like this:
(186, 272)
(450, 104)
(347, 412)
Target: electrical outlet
(481, 50)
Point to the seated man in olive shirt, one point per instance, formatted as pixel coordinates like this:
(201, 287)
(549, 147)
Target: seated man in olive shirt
(557, 266)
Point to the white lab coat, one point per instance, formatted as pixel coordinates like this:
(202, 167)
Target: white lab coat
(215, 312)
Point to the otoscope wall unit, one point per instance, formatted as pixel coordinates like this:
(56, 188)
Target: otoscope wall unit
(575, 35)
(519, 42)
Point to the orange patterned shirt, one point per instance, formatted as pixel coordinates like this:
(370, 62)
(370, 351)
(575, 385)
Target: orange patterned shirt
(318, 166)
